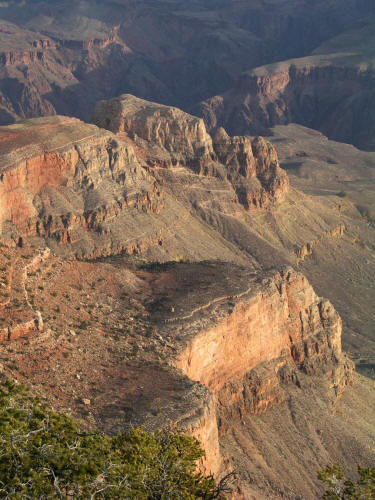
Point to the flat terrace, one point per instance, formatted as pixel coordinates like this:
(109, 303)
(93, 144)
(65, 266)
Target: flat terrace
(27, 139)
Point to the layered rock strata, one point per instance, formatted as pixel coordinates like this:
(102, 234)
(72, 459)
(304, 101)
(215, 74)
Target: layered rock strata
(308, 248)
(223, 341)
(59, 176)
(180, 138)
(168, 138)
(247, 346)
(321, 92)
(83, 189)
(282, 327)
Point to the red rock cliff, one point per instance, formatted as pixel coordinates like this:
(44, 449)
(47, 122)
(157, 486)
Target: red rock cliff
(59, 175)
(277, 329)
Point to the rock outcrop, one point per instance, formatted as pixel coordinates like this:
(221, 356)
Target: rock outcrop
(253, 169)
(84, 189)
(248, 347)
(284, 319)
(224, 344)
(176, 138)
(281, 329)
(168, 138)
(60, 176)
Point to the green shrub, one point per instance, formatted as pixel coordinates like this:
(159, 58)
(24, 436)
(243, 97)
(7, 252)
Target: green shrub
(45, 455)
(341, 488)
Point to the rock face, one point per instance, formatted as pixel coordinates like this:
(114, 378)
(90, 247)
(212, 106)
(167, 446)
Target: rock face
(330, 90)
(250, 162)
(83, 190)
(274, 331)
(180, 137)
(169, 138)
(300, 95)
(60, 176)
(284, 319)
(44, 73)
(204, 426)
(223, 342)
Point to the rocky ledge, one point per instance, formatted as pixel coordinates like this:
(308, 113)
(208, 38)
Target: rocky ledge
(262, 334)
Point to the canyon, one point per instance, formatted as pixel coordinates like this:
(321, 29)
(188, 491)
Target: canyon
(139, 248)
(62, 57)
(187, 226)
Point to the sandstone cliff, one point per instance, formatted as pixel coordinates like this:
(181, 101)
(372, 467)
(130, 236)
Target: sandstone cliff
(168, 131)
(283, 319)
(59, 176)
(82, 189)
(280, 328)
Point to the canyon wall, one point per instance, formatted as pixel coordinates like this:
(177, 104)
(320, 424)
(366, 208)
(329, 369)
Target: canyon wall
(75, 54)
(276, 332)
(203, 425)
(316, 91)
(59, 176)
(84, 190)
(285, 318)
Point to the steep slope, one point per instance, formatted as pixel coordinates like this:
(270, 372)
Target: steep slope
(342, 267)
(61, 57)
(330, 90)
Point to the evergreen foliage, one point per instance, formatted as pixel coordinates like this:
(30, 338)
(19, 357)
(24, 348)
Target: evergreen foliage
(341, 488)
(44, 454)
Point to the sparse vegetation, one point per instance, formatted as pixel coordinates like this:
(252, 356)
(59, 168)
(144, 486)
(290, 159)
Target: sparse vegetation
(342, 488)
(157, 267)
